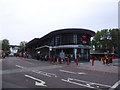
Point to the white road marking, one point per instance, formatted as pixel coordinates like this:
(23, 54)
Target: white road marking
(20, 66)
(67, 71)
(81, 73)
(52, 74)
(45, 73)
(86, 83)
(76, 83)
(91, 83)
(72, 72)
(40, 83)
(39, 72)
(115, 85)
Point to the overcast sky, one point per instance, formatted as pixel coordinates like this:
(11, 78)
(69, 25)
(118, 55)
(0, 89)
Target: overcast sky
(23, 20)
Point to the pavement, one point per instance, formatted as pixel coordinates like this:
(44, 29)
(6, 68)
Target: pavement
(114, 67)
(98, 66)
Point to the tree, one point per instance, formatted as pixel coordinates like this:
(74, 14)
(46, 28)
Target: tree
(107, 40)
(5, 45)
(115, 35)
(96, 40)
(22, 45)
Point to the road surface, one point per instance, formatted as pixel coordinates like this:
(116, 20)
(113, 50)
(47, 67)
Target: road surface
(29, 73)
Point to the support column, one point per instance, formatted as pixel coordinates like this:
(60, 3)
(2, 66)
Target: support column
(82, 53)
(50, 49)
(75, 52)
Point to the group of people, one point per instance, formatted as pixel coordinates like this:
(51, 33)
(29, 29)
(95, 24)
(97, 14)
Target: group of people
(107, 59)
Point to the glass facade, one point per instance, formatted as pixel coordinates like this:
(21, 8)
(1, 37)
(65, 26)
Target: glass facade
(66, 39)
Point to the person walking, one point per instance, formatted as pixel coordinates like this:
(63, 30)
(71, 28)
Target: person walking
(103, 60)
(106, 58)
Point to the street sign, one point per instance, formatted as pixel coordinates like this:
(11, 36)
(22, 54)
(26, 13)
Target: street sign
(84, 36)
(84, 42)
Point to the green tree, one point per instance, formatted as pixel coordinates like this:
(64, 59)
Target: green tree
(5, 45)
(22, 45)
(115, 41)
(96, 40)
(107, 40)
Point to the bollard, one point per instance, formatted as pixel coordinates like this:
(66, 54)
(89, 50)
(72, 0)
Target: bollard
(76, 61)
(113, 56)
(68, 62)
(93, 62)
(51, 59)
(60, 60)
(93, 59)
(109, 58)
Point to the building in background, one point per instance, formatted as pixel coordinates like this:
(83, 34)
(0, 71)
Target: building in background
(14, 50)
(70, 42)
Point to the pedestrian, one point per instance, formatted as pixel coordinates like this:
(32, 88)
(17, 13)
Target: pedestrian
(111, 59)
(106, 58)
(66, 58)
(103, 59)
(99, 58)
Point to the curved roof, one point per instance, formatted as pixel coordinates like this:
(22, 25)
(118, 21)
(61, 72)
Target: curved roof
(61, 31)
(69, 30)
